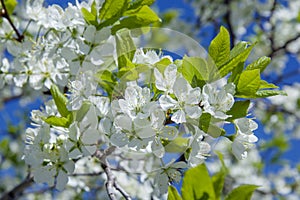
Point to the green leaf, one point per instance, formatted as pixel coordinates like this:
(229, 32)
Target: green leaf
(143, 17)
(269, 93)
(266, 85)
(236, 73)
(218, 183)
(94, 9)
(111, 8)
(238, 110)
(60, 101)
(234, 62)
(139, 3)
(90, 16)
(197, 184)
(194, 66)
(10, 5)
(219, 48)
(177, 145)
(82, 111)
(173, 194)
(238, 48)
(125, 48)
(243, 192)
(58, 121)
(221, 158)
(107, 80)
(206, 123)
(260, 63)
(248, 83)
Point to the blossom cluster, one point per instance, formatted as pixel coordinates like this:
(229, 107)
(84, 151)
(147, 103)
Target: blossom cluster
(144, 106)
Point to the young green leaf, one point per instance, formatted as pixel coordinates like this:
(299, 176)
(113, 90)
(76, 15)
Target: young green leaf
(269, 93)
(260, 63)
(177, 145)
(173, 194)
(58, 121)
(143, 17)
(218, 183)
(243, 192)
(234, 62)
(266, 85)
(10, 5)
(238, 48)
(248, 83)
(60, 101)
(82, 111)
(238, 110)
(111, 8)
(89, 17)
(125, 48)
(194, 66)
(219, 48)
(197, 184)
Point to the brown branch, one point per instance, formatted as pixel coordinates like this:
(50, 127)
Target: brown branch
(86, 174)
(227, 18)
(111, 182)
(4, 14)
(273, 26)
(18, 190)
(283, 47)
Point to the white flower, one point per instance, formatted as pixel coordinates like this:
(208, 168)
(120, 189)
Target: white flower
(163, 132)
(81, 89)
(136, 102)
(166, 83)
(81, 143)
(217, 102)
(245, 125)
(187, 102)
(148, 58)
(245, 138)
(199, 149)
(166, 174)
(56, 167)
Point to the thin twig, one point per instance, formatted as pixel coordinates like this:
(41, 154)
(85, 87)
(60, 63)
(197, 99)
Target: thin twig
(227, 18)
(18, 190)
(111, 182)
(283, 47)
(272, 32)
(4, 13)
(87, 174)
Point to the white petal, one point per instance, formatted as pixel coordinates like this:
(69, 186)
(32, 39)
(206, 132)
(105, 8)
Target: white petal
(178, 117)
(159, 80)
(194, 96)
(119, 139)
(166, 102)
(239, 150)
(61, 180)
(157, 118)
(157, 148)
(169, 132)
(161, 183)
(193, 111)
(181, 89)
(90, 136)
(123, 122)
(88, 150)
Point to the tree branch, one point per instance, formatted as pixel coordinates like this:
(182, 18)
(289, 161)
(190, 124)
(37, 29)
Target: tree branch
(18, 190)
(111, 182)
(227, 18)
(4, 14)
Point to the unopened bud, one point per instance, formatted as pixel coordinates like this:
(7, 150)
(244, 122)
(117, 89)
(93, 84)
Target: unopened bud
(2, 12)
